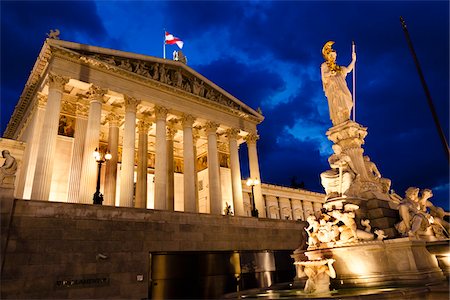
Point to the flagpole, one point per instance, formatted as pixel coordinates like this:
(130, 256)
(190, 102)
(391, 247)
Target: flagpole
(164, 45)
(354, 85)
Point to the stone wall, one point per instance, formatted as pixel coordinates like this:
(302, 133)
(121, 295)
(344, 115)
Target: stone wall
(101, 251)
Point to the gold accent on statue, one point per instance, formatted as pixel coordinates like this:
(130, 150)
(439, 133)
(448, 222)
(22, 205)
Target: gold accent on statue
(326, 50)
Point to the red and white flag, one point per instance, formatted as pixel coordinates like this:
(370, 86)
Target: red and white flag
(170, 40)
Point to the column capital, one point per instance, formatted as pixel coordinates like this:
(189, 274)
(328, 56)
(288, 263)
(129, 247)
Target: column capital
(233, 133)
(211, 127)
(187, 120)
(171, 131)
(41, 100)
(56, 81)
(143, 126)
(113, 119)
(95, 94)
(131, 103)
(251, 138)
(161, 112)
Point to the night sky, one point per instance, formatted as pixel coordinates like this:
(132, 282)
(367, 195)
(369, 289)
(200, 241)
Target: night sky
(268, 55)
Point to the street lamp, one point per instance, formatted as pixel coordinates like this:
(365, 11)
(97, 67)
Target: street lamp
(252, 183)
(100, 158)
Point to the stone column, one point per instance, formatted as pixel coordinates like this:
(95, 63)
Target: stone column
(170, 187)
(78, 150)
(129, 137)
(160, 158)
(236, 181)
(142, 166)
(215, 191)
(47, 144)
(195, 137)
(190, 200)
(113, 120)
(88, 178)
(251, 139)
(29, 161)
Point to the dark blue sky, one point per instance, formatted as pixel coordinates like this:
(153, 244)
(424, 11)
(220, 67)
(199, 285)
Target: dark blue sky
(268, 54)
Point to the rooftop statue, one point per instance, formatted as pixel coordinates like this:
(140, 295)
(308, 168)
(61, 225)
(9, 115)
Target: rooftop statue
(53, 34)
(334, 85)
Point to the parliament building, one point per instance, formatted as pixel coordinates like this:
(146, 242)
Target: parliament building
(167, 141)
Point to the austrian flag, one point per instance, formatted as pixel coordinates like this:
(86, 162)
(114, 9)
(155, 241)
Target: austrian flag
(170, 40)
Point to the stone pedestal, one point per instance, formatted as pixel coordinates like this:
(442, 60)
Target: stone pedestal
(395, 262)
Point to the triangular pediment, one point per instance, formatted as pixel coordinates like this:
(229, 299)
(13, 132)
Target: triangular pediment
(163, 72)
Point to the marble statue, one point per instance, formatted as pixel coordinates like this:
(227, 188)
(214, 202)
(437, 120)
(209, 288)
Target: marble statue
(348, 219)
(338, 180)
(337, 227)
(334, 85)
(319, 273)
(413, 218)
(312, 230)
(366, 224)
(375, 175)
(439, 227)
(8, 170)
(380, 234)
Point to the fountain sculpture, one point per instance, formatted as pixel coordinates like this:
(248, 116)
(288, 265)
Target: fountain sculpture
(374, 237)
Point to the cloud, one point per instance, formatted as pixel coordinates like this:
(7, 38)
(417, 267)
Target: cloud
(23, 30)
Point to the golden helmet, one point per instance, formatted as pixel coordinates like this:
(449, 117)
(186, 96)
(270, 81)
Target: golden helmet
(327, 49)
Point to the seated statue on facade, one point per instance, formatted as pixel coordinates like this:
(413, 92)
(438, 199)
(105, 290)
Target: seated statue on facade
(8, 170)
(338, 181)
(413, 218)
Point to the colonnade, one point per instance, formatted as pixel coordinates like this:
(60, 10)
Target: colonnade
(83, 172)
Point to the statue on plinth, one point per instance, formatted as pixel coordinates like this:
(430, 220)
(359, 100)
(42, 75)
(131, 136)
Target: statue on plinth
(338, 181)
(375, 175)
(333, 78)
(8, 170)
(416, 221)
(319, 273)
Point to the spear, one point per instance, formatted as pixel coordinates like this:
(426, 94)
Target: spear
(354, 85)
(427, 91)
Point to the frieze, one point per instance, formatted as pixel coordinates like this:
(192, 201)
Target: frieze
(168, 75)
(82, 110)
(68, 107)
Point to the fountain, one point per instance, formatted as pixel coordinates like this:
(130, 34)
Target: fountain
(360, 213)
(367, 240)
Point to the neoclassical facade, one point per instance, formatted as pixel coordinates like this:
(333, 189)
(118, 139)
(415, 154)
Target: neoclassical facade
(173, 136)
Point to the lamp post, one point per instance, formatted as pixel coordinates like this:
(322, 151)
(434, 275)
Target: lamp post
(100, 158)
(252, 183)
